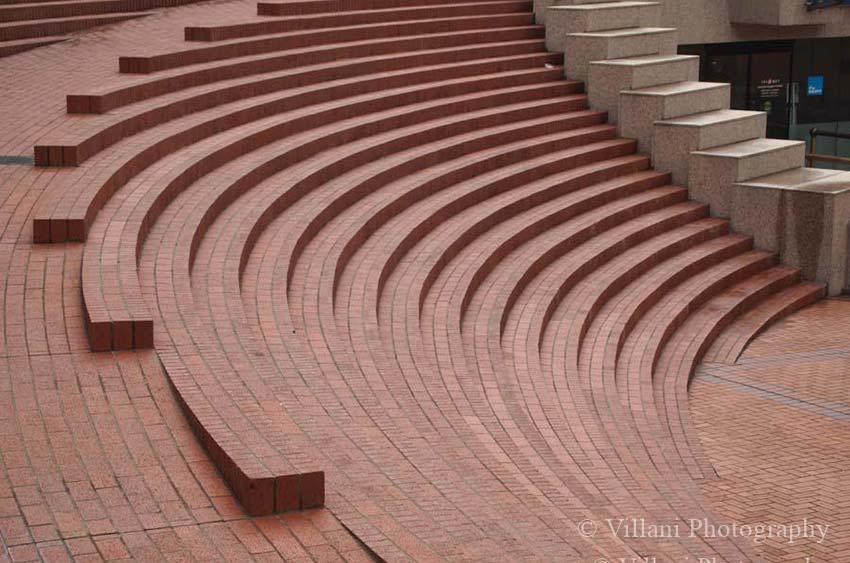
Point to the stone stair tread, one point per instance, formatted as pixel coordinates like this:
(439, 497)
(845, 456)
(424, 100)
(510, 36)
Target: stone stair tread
(625, 32)
(804, 179)
(709, 118)
(749, 148)
(584, 2)
(604, 5)
(645, 60)
(676, 88)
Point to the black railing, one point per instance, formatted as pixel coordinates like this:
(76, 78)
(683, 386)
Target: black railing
(812, 156)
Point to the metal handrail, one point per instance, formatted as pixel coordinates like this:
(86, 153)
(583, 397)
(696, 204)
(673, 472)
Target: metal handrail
(812, 156)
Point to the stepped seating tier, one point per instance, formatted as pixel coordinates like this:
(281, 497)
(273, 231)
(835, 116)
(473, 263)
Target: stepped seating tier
(311, 39)
(351, 18)
(69, 216)
(27, 24)
(394, 263)
(75, 148)
(101, 102)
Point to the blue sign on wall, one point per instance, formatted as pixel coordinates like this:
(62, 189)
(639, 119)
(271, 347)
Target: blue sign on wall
(815, 86)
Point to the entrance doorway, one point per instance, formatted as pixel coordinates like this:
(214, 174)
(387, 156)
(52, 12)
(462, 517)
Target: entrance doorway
(760, 75)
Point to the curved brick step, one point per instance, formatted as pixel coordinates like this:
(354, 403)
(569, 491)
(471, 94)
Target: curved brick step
(301, 7)
(649, 321)
(323, 262)
(118, 319)
(197, 374)
(649, 333)
(30, 29)
(319, 256)
(729, 345)
(520, 261)
(383, 240)
(55, 10)
(445, 308)
(607, 319)
(210, 72)
(558, 279)
(686, 348)
(354, 402)
(359, 17)
(586, 311)
(238, 246)
(410, 302)
(449, 165)
(215, 281)
(69, 215)
(580, 306)
(145, 64)
(76, 144)
(560, 177)
(567, 157)
(8, 48)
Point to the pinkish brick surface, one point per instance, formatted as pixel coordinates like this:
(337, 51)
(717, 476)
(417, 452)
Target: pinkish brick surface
(392, 289)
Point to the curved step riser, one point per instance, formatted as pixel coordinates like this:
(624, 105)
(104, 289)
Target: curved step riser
(76, 154)
(107, 331)
(691, 214)
(498, 159)
(681, 359)
(157, 63)
(67, 224)
(457, 206)
(662, 199)
(325, 21)
(639, 270)
(685, 216)
(705, 294)
(298, 8)
(548, 222)
(734, 340)
(550, 192)
(649, 182)
(70, 9)
(106, 101)
(19, 30)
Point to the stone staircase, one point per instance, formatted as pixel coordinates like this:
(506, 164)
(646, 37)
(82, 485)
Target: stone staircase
(632, 71)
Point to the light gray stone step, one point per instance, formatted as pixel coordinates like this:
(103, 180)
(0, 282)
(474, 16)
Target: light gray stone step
(803, 179)
(674, 139)
(605, 16)
(540, 6)
(580, 49)
(606, 79)
(801, 214)
(712, 172)
(640, 109)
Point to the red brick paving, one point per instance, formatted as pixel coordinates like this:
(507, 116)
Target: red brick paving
(775, 427)
(410, 278)
(26, 24)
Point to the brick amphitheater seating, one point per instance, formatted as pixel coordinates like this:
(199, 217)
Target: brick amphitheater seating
(26, 24)
(400, 214)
